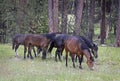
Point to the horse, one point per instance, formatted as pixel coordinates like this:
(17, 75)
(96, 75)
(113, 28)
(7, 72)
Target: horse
(40, 41)
(58, 43)
(18, 40)
(59, 40)
(92, 46)
(77, 46)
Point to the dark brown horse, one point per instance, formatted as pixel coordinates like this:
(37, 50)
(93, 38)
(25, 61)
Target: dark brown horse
(40, 41)
(18, 40)
(77, 47)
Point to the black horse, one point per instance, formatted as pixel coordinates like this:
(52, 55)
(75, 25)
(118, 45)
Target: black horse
(59, 41)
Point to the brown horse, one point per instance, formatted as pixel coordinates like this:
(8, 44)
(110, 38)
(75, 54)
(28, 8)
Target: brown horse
(17, 40)
(76, 46)
(40, 41)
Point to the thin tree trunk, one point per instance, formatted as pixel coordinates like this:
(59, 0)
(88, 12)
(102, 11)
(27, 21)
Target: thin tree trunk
(55, 9)
(53, 15)
(64, 16)
(78, 19)
(118, 29)
(50, 14)
(102, 30)
(91, 28)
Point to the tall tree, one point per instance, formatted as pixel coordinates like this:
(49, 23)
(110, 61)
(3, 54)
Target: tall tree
(91, 28)
(55, 10)
(20, 14)
(50, 14)
(102, 28)
(79, 9)
(53, 15)
(64, 16)
(118, 29)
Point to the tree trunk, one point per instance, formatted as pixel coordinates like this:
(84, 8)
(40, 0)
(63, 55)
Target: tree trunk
(53, 15)
(20, 14)
(91, 28)
(50, 14)
(102, 28)
(55, 9)
(79, 9)
(118, 29)
(64, 16)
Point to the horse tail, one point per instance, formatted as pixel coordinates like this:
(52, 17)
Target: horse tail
(51, 47)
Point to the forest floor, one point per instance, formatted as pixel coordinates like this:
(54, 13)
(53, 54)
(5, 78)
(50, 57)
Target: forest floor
(107, 67)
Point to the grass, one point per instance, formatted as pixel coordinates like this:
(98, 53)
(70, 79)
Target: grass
(107, 67)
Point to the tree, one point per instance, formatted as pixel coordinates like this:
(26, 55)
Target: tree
(53, 15)
(91, 28)
(102, 28)
(50, 15)
(64, 16)
(79, 9)
(118, 29)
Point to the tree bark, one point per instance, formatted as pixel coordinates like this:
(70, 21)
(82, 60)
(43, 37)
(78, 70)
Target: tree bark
(50, 14)
(79, 9)
(64, 16)
(55, 9)
(102, 28)
(91, 28)
(118, 29)
(53, 15)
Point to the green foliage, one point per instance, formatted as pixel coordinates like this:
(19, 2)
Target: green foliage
(17, 69)
(30, 17)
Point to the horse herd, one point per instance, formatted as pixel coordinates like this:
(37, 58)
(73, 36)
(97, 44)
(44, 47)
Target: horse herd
(76, 46)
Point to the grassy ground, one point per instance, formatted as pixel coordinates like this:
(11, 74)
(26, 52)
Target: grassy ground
(107, 67)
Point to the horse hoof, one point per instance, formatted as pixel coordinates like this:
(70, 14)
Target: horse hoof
(80, 67)
(92, 68)
(43, 58)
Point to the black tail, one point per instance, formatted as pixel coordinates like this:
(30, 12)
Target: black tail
(51, 47)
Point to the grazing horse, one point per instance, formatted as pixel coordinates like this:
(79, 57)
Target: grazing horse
(91, 45)
(78, 47)
(18, 40)
(58, 42)
(40, 41)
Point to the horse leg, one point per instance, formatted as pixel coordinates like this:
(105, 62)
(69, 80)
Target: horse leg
(39, 50)
(25, 50)
(29, 51)
(72, 56)
(16, 47)
(80, 61)
(56, 52)
(44, 54)
(34, 52)
(66, 57)
(59, 54)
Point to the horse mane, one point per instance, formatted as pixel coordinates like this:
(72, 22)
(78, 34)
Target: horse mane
(50, 36)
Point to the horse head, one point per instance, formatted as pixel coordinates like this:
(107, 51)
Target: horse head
(95, 50)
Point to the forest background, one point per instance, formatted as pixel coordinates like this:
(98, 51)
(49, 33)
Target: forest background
(97, 20)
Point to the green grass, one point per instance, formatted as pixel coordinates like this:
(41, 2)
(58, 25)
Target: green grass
(107, 67)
